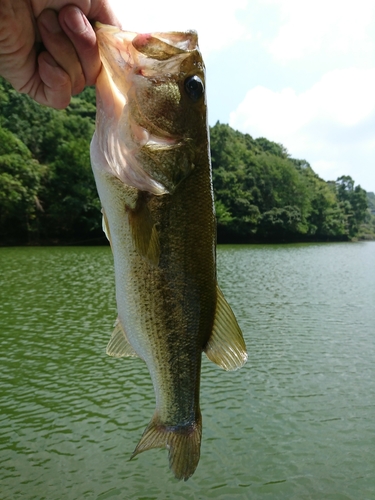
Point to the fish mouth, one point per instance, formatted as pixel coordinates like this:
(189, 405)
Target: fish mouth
(126, 56)
(160, 45)
(128, 51)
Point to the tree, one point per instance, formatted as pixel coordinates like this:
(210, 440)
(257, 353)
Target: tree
(72, 207)
(20, 180)
(353, 201)
(56, 201)
(47, 189)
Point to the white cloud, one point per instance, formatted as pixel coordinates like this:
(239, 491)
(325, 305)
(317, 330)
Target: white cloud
(331, 125)
(217, 24)
(326, 26)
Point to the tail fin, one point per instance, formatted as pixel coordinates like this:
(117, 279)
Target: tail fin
(182, 441)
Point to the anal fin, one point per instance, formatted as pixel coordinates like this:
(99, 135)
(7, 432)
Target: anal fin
(226, 346)
(119, 345)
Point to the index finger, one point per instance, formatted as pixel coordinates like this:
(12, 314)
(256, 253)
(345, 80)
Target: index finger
(59, 46)
(82, 36)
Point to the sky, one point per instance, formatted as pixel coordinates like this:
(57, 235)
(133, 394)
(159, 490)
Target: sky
(300, 73)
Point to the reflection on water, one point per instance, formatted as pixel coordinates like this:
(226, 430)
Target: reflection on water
(297, 422)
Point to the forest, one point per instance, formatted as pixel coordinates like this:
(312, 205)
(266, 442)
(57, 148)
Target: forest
(48, 193)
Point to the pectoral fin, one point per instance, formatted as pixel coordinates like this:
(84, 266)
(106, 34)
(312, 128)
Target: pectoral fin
(119, 345)
(226, 346)
(105, 227)
(144, 232)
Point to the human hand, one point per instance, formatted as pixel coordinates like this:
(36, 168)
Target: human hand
(69, 60)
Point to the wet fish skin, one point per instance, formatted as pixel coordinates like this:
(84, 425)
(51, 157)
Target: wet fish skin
(151, 162)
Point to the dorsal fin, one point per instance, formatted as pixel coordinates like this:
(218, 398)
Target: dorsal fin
(119, 345)
(226, 346)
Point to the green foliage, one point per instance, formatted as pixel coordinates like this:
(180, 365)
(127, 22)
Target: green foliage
(371, 201)
(367, 227)
(20, 182)
(353, 202)
(26, 119)
(47, 190)
(48, 194)
(261, 194)
(325, 217)
(72, 208)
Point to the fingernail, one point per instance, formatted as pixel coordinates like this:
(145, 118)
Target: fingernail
(50, 22)
(75, 20)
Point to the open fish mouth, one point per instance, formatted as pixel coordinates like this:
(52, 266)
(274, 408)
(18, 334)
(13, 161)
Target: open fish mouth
(129, 48)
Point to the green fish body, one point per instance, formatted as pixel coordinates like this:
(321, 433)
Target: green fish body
(151, 162)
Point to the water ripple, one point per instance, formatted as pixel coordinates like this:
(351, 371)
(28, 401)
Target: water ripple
(295, 423)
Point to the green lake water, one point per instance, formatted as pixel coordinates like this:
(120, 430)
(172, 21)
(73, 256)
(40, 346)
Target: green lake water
(297, 422)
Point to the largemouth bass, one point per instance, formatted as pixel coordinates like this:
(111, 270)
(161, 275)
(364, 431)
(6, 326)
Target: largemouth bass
(151, 161)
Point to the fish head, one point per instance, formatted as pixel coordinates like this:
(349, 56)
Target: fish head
(151, 107)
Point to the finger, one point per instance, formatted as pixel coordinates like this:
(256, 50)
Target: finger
(17, 37)
(83, 38)
(94, 10)
(61, 49)
(54, 88)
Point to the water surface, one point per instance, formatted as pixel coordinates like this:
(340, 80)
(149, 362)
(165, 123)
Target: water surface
(297, 422)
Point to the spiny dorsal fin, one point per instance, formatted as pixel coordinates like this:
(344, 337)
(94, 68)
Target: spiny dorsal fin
(144, 232)
(226, 346)
(183, 443)
(119, 345)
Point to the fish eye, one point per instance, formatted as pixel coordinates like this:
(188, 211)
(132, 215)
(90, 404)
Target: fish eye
(194, 87)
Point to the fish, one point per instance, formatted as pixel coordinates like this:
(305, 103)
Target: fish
(150, 157)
